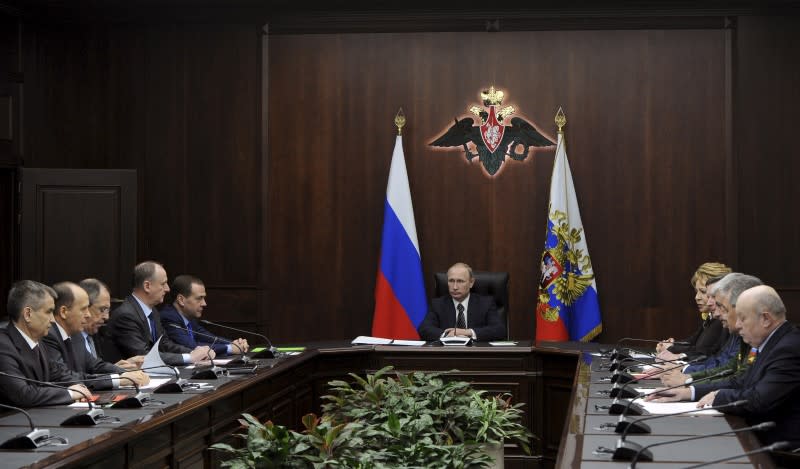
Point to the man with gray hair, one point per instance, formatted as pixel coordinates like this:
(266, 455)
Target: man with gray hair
(136, 326)
(30, 312)
(770, 385)
(735, 352)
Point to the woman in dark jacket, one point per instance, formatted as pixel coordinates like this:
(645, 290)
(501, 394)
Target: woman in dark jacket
(708, 338)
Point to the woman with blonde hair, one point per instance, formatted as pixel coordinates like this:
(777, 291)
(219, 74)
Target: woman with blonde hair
(708, 338)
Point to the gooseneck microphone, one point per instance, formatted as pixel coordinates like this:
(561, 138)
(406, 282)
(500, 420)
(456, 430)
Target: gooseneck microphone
(778, 445)
(90, 417)
(616, 353)
(617, 391)
(620, 375)
(644, 453)
(129, 402)
(209, 373)
(628, 404)
(271, 352)
(626, 449)
(36, 438)
(214, 338)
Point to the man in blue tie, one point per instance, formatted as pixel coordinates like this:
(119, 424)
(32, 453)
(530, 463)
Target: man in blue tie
(180, 319)
(135, 325)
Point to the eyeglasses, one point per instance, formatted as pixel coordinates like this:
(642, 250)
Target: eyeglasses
(103, 309)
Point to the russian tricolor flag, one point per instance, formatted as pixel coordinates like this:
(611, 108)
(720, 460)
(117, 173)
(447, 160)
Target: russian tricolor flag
(400, 301)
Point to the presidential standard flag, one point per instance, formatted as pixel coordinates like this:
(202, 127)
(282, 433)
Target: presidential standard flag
(400, 301)
(567, 306)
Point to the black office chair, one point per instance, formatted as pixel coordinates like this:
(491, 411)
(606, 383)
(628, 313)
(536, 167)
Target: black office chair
(494, 284)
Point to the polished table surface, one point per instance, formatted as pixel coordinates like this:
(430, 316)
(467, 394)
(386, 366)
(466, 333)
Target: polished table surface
(555, 380)
(590, 429)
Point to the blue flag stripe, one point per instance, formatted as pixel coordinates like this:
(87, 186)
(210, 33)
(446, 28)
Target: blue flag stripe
(402, 269)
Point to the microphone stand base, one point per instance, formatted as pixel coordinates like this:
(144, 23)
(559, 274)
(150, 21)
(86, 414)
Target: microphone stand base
(628, 450)
(31, 440)
(131, 402)
(618, 408)
(84, 419)
(170, 387)
(635, 427)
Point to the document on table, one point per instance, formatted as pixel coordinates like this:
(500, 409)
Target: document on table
(369, 340)
(154, 365)
(660, 408)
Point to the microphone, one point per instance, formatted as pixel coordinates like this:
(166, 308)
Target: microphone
(620, 376)
(129, 402)
(271, 352)
(91, 417)
(170, 387)
(644, 453)
(35, 438)
(617, 353)
(626, 449)
(209, 373)
(778, 445)
(617, 391)
(644, 429)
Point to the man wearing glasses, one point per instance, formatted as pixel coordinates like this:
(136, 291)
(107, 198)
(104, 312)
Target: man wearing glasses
(99, 308)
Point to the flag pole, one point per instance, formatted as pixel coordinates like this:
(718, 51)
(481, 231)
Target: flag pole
(400, 121)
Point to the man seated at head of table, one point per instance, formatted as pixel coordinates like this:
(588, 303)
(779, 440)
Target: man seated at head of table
(30, 312)
(771, 385)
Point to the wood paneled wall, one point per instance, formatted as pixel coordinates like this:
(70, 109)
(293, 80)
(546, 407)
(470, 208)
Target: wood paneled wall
(646, 140)
(680, 144)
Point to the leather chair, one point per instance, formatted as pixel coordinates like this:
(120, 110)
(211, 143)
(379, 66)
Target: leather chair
(493, 284)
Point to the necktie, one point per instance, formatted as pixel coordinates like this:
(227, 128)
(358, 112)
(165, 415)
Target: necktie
(41, 366)
(152, 327)
(70, 358)
(191, 335)
(90, 346)
(461, 321)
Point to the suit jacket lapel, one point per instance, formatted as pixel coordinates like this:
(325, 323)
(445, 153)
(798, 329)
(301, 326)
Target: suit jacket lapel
(763, 357)
(143, 322)
(30, 359)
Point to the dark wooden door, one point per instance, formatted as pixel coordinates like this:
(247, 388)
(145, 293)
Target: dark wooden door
(78, 223)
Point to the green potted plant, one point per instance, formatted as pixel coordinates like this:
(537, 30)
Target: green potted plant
(384, 421)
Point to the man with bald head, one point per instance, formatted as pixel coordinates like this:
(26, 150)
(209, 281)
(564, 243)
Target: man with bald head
(65, 343)
(770, 385)
(135, 325)
(462, 313)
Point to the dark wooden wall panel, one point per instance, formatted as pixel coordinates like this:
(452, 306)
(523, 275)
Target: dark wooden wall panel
(179, 103)
(645, 138)
(767, 154)
(182, 104)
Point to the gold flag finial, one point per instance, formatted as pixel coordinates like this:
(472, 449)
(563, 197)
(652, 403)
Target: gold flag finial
(561, 120)
(400, 121)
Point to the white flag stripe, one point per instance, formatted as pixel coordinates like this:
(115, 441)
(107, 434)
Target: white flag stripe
(563, 197)
(398, 192)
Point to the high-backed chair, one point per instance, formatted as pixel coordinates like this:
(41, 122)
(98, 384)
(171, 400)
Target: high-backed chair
(493, 284)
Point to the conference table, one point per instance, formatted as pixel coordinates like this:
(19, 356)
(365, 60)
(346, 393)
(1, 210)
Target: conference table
(557, 382)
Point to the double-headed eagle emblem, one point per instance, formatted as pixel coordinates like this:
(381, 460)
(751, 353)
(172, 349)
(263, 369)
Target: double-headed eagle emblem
(492, 139)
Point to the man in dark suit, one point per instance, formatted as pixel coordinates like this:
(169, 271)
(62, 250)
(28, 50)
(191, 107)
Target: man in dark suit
(65, 343)
(772, 383)
(30, 311)
(99, 308)
(462, 313)
(180, 318)
(136, 324)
